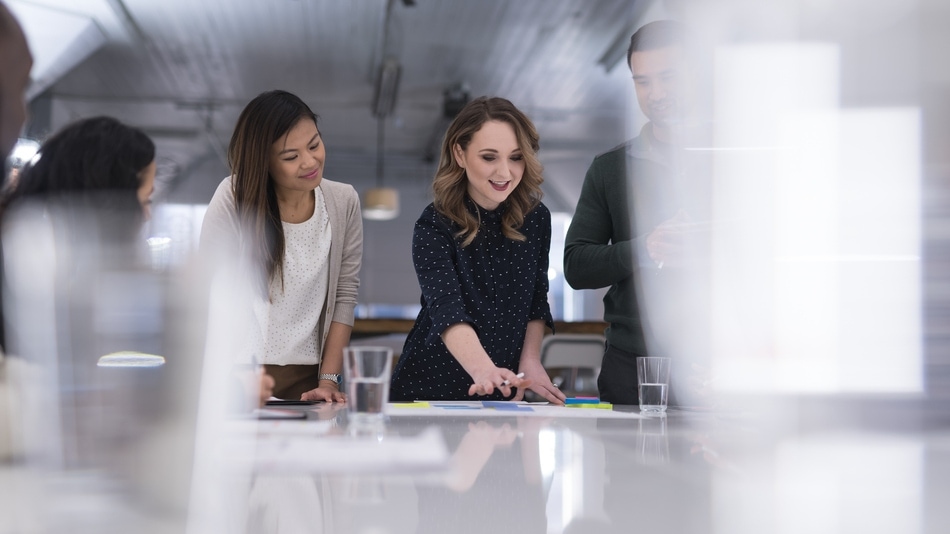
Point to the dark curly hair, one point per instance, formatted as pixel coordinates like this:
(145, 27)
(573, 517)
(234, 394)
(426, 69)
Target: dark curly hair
(94, 163)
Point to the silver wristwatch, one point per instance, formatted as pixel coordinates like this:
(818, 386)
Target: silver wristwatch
(335, 377)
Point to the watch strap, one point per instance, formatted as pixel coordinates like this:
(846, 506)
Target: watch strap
(335, 377)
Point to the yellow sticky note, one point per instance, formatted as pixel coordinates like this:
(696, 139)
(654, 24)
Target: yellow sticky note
(410, 404)
(601, 406)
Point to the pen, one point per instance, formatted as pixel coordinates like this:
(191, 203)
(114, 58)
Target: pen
(508, 383)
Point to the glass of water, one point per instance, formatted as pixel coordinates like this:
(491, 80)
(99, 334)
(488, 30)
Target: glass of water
(366, 371)
(653, 382)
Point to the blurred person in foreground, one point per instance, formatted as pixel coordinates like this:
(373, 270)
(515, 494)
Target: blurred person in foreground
(300, 238)
(637, 217)
(98, 165)
(88, 318)
(480, 251)
(15, 64)
(67, 225)
(89, 189)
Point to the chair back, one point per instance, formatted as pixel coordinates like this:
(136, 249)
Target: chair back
(573, 361)
(572, 350)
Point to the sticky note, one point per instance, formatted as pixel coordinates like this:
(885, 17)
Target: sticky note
(582, 400)
(507, 406)
(599, 405)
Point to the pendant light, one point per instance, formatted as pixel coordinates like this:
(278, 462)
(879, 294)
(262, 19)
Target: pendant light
(381, 203)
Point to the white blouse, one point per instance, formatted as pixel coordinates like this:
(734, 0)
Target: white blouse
(293, 333)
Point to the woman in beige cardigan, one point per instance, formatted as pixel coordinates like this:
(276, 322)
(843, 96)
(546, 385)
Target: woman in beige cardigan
(302, 236)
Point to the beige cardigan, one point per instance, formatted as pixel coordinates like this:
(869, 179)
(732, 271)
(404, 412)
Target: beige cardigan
(220, 233)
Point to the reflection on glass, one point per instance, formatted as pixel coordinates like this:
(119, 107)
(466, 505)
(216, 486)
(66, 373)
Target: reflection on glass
(576, 494)
(475, 450)
(363, 490)
(652, 442)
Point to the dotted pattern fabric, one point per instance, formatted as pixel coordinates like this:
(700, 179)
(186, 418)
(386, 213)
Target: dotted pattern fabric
(292, 322)
(495, 284)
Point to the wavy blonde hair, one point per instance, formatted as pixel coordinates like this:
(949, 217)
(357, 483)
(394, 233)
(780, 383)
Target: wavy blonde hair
(450, 187)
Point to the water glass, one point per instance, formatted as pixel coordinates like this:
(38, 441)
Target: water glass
(653, 383)
(366, 371)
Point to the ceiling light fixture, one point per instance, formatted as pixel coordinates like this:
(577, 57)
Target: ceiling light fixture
(387, 85)
(382, 203)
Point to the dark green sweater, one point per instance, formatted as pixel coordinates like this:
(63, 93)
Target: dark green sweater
(602, 239)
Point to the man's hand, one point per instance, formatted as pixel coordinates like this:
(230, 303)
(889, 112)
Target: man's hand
(665, 243)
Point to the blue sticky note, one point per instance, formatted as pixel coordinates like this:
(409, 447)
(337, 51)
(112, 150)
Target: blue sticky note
(582, 400)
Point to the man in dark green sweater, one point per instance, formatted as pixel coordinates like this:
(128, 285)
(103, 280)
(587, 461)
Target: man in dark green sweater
(628, 222)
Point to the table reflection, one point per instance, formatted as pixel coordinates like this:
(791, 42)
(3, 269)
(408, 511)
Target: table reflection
(685, 472)
(652, 442)
(530, 473)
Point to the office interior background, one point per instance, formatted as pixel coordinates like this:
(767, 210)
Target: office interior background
(830, 122)
(865, 201)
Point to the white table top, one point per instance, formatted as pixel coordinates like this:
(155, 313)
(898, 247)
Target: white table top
(782, 467)
(554, 470)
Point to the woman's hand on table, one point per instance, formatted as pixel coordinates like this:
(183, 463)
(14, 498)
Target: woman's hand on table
(488, 379)
(256, 386)
(324, 393)
(266, 388)
(538, 382)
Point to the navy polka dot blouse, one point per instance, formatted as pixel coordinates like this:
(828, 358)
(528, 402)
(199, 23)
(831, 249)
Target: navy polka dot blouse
(495, 284)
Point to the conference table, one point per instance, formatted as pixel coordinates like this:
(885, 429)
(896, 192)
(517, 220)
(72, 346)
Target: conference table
(772, 465)
(764, 465)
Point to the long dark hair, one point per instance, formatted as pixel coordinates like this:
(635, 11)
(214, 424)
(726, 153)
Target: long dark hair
(264, 120)
(450, 187)
(94, 163)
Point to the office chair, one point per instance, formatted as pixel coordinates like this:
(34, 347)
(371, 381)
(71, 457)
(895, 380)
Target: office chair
(573, 361)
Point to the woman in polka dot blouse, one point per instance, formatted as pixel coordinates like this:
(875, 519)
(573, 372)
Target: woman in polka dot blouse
(480, 251)
(303, 237)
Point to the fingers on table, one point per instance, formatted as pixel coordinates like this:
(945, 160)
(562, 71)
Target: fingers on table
(552, 394)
